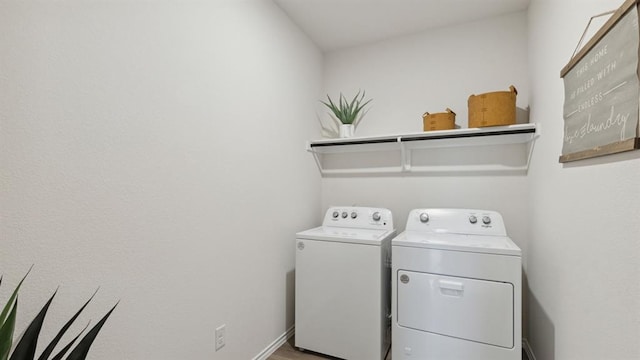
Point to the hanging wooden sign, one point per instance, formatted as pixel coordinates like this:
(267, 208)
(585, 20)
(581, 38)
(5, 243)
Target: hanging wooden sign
(602, 91)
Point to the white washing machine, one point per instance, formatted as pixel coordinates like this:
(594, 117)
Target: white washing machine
(343, 281)
(456, 288)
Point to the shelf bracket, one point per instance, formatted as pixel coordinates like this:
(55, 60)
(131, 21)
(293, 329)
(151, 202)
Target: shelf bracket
(315, 157)
(531, 145)
(405, 156)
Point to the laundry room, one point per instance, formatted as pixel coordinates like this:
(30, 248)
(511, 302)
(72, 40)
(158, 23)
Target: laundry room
(169, 152)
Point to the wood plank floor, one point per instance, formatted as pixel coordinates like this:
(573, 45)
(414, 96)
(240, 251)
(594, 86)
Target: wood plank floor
(289, 352)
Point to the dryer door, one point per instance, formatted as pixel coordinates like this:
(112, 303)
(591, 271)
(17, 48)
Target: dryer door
(470, 309)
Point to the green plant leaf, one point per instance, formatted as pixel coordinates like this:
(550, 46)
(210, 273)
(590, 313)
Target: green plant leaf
(82, 349)
(352, 105)
(360, 116)
(65, 349)
(7, 307)
(332, 106)
(26, 347)
(49, 349)
(363, 105)
(8, 320)
(347, 111)
(6, 333)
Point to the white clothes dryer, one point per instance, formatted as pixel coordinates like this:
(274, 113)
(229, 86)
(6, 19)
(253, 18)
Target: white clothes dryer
(343, 283)
(456, 288)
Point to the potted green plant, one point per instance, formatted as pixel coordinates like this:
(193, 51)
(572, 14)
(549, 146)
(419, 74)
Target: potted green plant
(347, 113)
(25, 348)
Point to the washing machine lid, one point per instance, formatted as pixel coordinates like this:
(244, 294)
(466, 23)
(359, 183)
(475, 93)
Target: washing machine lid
(501, 245)
(347, 235)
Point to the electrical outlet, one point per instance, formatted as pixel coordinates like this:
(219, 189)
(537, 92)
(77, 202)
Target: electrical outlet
(221, 336)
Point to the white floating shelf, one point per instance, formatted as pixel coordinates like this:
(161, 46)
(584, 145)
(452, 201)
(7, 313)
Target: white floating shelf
(415, 145)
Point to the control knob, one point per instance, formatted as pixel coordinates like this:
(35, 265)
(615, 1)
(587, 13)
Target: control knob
(376, 216)
(354, 215)
(336, 214)
(486, 220)
(424, 217)
(344, 214)
(473, 219)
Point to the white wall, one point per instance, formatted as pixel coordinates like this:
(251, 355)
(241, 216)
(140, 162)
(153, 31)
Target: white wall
(431, 71)
(156, 149)
(583, 266)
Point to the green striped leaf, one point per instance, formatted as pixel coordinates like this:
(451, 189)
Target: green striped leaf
(6, 332)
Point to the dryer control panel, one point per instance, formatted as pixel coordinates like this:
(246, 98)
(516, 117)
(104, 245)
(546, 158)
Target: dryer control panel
(358, 217)
(457, 221)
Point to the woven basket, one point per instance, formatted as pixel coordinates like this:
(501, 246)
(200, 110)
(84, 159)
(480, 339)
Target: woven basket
(439, 121)
(493, 108)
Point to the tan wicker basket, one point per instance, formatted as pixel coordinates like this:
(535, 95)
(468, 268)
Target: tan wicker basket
(439, 121)
(493, 108)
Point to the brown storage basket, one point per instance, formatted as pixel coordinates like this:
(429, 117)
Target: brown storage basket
(439, 121)
(493, 108)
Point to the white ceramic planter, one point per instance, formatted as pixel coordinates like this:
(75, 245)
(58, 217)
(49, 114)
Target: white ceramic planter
(346, 130)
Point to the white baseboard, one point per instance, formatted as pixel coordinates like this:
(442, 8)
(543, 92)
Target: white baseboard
(264, 354)
(527, 349)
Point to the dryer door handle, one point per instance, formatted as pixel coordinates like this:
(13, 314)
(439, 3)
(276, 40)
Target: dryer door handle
(451, 288)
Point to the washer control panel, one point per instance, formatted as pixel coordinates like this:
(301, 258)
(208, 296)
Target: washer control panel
(457, 221)
(359, 217)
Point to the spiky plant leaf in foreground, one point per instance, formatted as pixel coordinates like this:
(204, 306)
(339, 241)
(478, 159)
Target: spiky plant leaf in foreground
(67, 347)
(49, 349)
(26, 347)
(82, 349)
(8, 320)
(6, 333)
